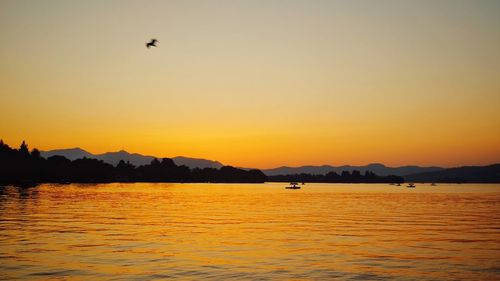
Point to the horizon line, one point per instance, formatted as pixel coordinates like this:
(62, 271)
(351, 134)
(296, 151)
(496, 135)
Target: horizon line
(282, 165)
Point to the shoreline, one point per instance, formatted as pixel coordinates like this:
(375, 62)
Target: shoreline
(35, 184)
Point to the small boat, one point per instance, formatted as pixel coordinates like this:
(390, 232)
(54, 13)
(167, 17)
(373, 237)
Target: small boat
(411, 185)
(293, 185)
(433, 184)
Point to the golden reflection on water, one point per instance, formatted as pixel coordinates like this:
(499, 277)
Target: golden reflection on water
(250, 231)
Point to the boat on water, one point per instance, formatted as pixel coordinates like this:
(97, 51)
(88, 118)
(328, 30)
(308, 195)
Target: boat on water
(411, 185)
(293, 185)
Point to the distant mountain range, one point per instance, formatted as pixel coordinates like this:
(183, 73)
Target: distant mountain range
(139, 159)
(135, 159)
(484, 174)
(472, 174)
(378, 169)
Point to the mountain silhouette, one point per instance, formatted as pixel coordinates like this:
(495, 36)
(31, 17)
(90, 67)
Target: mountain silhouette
(70, 153)
(114, 158)
(26, 168)
(376, 168)
(135, 159)
(471, 174)
(196, 162)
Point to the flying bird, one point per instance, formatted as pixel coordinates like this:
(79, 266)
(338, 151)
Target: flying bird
(152, 43)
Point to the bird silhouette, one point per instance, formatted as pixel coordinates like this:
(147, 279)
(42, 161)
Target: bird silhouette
(152, 43)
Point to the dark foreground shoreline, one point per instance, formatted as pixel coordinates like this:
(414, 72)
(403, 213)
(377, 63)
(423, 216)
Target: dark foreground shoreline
(28, 168)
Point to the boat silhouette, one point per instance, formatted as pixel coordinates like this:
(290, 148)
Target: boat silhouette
(293, 185)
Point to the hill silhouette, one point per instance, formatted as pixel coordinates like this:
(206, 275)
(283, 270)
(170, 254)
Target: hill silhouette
(22, 167)
(197, 162)
(468, 174)
(376, 168)
(333, 177)
(135, 159)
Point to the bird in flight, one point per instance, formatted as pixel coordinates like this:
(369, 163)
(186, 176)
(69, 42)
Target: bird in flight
(152, 43)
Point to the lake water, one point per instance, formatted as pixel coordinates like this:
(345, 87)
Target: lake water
(250, 231)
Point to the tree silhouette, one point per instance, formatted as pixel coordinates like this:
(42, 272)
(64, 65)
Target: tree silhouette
(332, 177)
(23, 167)
(20, 166)
(23, 149)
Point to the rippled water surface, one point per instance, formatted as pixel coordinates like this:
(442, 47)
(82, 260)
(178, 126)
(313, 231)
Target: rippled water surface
(246, 231)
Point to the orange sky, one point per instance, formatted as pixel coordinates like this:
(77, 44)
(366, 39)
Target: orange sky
(256, 83)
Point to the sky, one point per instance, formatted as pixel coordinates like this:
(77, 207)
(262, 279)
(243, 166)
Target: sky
(256, 83)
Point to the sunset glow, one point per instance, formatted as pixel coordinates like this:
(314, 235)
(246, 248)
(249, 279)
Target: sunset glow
(256, 83)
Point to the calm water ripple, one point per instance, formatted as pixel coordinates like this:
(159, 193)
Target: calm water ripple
(250, 232)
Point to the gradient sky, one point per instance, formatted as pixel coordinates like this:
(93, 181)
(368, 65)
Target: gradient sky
(256, 83)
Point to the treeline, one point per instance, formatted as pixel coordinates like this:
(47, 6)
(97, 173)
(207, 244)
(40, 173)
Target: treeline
(25, 167)
(22, 166)
(471, 174)
(332, 177)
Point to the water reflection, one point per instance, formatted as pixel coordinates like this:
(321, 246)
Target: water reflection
(194, 231)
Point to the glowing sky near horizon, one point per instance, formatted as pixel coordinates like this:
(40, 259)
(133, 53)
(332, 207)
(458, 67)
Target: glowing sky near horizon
(256, 83)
